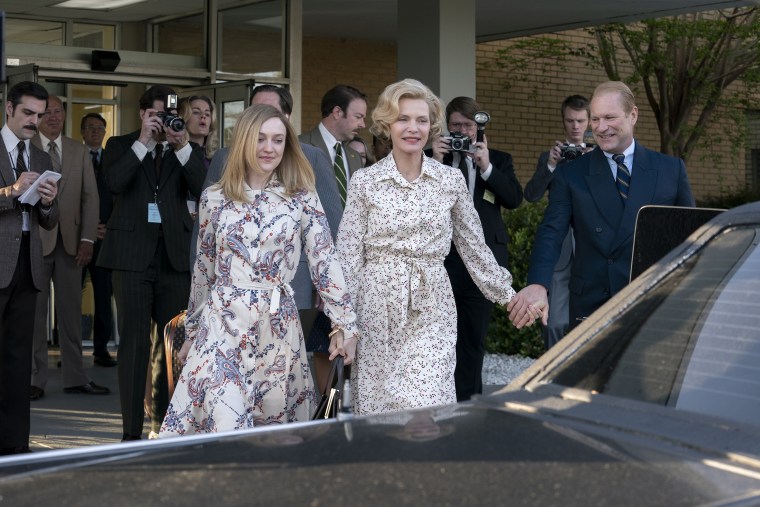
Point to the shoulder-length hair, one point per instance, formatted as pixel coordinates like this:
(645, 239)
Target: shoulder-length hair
(386, 111)
(294, 172)
(212, 139)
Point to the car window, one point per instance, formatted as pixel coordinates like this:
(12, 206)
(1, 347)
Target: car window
(692, 343)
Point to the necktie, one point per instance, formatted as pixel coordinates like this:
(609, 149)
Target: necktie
(623, 176)
(55, 157)
(95, 162)
(465, 170)
(157, 159)
(20, 162)
(340, 173)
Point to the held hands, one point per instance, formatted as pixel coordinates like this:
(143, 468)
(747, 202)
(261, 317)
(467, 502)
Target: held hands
(482, 160)
(342, 347)
(23, 182)
(176, 139)
(528, 306)
(151, 125)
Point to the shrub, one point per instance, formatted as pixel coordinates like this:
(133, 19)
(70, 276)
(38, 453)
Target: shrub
(502, 336)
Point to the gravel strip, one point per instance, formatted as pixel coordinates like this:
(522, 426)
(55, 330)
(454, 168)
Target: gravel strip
(501, 369)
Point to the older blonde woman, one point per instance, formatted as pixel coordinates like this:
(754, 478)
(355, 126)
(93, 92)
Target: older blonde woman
(400, 218)
(200, 122)
(246, 361)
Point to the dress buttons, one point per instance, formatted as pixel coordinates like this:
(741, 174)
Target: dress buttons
(598, 229)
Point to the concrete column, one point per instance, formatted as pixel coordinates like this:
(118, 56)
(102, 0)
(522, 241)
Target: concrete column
(436, 45)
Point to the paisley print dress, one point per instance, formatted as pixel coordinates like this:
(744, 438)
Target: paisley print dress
(392, 241)
(247, 365)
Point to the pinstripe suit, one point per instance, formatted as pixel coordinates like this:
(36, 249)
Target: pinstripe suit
(150, 264)
(20, 279)
(78, 201)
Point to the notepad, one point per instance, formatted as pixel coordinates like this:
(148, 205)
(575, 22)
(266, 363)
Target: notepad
(32, 195)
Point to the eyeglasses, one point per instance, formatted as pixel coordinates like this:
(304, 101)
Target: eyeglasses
(457, 127)
(95, 128)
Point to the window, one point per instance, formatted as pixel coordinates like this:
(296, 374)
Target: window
(251, 39)
(88, 35)
(184, 36)
(29, 31)
(692, 343)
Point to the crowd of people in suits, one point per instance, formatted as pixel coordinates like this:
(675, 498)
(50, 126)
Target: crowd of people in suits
(283, 246)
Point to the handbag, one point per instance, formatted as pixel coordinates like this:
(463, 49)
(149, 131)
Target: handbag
(174, 338)
(329, 404)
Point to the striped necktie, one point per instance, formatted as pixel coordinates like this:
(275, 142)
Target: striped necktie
(55, 157)
(623, 176)
(340, 173)
(20, 162)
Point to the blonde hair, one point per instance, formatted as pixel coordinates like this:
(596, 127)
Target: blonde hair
(294, 172)
(386, 111)
(212, 139)
(619, 87)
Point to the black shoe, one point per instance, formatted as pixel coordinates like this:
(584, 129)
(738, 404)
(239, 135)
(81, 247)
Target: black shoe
(35, 393)
(130, 438)
(104, 360)
(91, 388)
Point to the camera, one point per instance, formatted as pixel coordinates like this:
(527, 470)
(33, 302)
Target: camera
(170, 120)
(571, 151)
(459, 142)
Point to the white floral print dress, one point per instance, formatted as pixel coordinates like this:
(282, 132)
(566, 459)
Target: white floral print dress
(247, 365)
(392, 241)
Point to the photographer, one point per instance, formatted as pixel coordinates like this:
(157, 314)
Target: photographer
(150, 173)
(493, 185)
(575, 120)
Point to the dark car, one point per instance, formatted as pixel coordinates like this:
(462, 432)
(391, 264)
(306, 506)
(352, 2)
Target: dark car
(653, 400)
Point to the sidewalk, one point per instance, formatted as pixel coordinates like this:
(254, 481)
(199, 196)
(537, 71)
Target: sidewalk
(62, 421)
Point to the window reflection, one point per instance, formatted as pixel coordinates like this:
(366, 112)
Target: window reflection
(251, 39)
(691, 343)
(31, 31)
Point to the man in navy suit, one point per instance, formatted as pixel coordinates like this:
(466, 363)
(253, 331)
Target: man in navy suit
(493, 185)
(599, 194)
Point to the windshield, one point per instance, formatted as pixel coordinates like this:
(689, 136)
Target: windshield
(692, 343)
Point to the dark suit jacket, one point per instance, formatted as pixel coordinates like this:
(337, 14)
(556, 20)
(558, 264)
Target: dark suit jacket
(327, 190)
(584, 195)
(10, 218)
(534, 191)
(104, 193)
(314, 138)
(131, 241)
(508, 193)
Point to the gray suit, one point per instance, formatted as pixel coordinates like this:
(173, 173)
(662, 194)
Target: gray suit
(559, 294)
(21, 276)
(78, 201)
(314, 138)
(327, 190)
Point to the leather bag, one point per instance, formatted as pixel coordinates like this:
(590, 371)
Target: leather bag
(329, 405)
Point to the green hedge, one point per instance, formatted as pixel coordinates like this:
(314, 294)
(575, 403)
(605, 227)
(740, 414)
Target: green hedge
(502, 336)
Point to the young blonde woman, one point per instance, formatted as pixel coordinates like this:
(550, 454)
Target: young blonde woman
(200, 123)
(245, 357)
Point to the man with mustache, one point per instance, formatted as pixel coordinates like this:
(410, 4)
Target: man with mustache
(21, 272)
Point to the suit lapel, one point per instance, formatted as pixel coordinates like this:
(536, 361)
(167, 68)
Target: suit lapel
(643, 184)
(6, 169)
(603, 189)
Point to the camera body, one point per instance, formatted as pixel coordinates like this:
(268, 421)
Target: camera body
(571, 151)
(460, 142)
(169, 119)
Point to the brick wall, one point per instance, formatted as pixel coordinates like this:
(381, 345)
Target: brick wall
(525, 117)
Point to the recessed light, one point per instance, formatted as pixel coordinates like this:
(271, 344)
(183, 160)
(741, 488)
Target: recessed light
(98, 5)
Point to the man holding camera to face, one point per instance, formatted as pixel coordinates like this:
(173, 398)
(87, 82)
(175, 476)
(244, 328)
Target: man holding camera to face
(149, 172)
(575, 119)
(492, 183)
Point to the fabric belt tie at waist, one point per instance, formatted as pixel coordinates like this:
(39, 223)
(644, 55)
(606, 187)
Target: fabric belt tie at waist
(276, 288)
(418, 292)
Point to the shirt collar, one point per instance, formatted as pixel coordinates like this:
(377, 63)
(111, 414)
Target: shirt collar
(45, 141)
(389, 170)
(328, 138)
(10, 139)
(628, 153)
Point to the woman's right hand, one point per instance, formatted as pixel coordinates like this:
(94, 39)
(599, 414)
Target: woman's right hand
(182, 354)
(341, 347)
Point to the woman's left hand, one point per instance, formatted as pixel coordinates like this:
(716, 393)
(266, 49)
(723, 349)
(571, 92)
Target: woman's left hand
(341, 347)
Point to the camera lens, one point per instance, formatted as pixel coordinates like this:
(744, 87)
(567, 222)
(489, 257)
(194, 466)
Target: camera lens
(456, 144)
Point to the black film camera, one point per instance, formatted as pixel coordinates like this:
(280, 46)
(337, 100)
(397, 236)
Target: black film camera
(571, 151)
(170, 120)
(459, 142)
